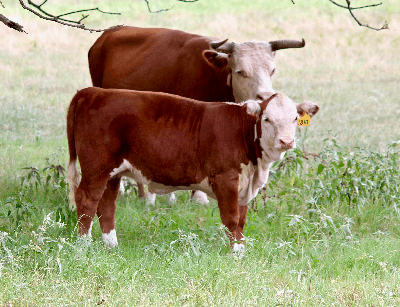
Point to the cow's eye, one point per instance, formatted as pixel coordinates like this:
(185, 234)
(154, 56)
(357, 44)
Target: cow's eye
(266, 119)
(273, 72)
(297, 118)
(241, 73)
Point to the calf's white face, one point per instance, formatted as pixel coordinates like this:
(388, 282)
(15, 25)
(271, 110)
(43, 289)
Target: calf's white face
(252, 65)
(278, 124)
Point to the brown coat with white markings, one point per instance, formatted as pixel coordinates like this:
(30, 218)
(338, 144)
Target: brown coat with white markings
(184, 64)
(174, 143)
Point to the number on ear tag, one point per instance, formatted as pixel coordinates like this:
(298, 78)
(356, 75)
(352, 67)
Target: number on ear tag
(304, 120)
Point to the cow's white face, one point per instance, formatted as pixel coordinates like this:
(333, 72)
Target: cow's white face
(252, 65)
(278, 124)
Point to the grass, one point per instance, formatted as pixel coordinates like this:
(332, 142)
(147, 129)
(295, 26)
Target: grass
(324, 232)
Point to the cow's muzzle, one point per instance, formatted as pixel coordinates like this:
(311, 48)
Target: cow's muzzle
(286, 143)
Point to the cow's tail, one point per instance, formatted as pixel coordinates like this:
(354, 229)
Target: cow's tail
(72, 172)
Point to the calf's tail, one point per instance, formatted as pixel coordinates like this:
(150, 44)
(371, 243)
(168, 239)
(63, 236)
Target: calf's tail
(72, 172)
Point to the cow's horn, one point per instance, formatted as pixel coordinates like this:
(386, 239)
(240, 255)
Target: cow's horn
(228, 48)
(286, 43)
(217, 44)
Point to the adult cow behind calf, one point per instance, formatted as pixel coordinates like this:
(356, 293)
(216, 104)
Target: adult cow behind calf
(173, 143)
(184, 64)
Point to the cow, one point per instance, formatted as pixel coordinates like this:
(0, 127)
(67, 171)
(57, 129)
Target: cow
(184, 64)
(174, 143)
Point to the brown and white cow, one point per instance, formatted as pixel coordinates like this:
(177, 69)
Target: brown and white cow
(184, 64)
(174, 143)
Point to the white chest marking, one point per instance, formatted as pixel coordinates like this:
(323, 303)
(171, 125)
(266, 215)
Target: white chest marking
(251, 180)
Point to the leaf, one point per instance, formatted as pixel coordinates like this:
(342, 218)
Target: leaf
(320, 169)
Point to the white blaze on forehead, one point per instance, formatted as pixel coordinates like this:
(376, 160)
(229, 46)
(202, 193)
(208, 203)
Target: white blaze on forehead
(256, 62)
(281, 113)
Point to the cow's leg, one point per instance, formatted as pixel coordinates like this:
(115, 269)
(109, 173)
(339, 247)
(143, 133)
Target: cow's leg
(225, 187)
(141, 190)
(87, 197)
(106, 212)
(242, 221)
(200, 197)
(239, 230)
(151, 197)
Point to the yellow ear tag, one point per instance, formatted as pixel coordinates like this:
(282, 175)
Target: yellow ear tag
(304, 120)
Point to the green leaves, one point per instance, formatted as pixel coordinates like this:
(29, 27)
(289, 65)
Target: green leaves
(320, 169)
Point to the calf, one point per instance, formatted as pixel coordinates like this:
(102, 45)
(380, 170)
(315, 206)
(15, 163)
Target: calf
(173, 143)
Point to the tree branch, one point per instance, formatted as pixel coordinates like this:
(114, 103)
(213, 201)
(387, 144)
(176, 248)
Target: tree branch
(11, 24)
(159, 11)
(165, 10)
(350, 9)
(66, 22)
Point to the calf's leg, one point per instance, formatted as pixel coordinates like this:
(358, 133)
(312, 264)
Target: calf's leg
(87, 197)
(141, 190)
(106, 212)
(225, 187)
(242, 221)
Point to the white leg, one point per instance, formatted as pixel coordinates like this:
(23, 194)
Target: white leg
(200, 197)
(171, 198)
(238, 247)
(122, 186)
(110, 239)
(89, 234)
(151, 198)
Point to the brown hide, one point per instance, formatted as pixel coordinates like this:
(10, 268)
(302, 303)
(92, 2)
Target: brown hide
(172, 140)
(159, 60)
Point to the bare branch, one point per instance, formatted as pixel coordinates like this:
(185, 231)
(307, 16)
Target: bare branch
(355, 8)
(11, 24)
(350, 9)
(159, 11)
(65, 22)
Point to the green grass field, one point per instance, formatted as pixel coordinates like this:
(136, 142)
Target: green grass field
(325, 232)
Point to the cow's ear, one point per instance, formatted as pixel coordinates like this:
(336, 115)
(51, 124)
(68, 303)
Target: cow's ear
(216, 59)
(307, 106)
(253, 107)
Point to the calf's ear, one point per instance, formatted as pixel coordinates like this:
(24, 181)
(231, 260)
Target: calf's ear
(253, 107)
(308, 107)
(216, 59)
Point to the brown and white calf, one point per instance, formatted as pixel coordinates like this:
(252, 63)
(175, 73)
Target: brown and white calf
(184, 64)
(173, 143)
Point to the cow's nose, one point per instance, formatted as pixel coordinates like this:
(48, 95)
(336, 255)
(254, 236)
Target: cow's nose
(286, 143)
(265, 95)
(260, 97)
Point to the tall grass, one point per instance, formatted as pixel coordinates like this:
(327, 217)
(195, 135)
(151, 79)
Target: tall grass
(325, 230)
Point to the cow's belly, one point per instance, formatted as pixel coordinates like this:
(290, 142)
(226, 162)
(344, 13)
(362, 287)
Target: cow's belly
(128, 170)
(203, 186)
(251, 180)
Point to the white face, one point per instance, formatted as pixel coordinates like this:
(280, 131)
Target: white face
(253, 66)
(278, 126)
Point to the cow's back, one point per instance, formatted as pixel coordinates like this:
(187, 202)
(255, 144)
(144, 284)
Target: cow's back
(159, 60)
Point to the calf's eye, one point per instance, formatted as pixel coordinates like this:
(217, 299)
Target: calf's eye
(266, 119)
